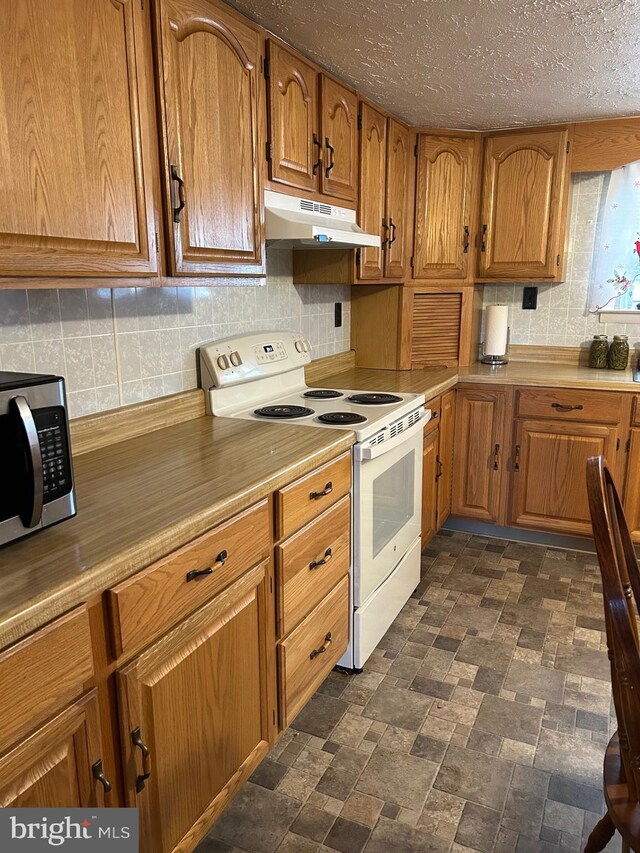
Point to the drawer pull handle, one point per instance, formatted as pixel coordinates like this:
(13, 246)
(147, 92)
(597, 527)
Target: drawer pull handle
(496, 457)
(326, 491)
(323, 648)
(136, 737)
(98, 774)
(177, 209)
(563, 408)
(194, 574)
(317, 563)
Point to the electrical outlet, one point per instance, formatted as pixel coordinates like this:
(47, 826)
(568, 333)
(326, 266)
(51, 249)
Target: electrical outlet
(530, 298)
(338, 315)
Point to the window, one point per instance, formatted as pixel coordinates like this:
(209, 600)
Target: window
(615, 273)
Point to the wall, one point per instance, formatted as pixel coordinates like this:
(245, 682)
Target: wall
(562, 318)
(122, 345)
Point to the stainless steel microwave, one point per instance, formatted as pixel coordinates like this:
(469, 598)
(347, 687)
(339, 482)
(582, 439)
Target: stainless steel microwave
(36, 472)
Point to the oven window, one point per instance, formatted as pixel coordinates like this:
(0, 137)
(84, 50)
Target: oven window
(393, 500)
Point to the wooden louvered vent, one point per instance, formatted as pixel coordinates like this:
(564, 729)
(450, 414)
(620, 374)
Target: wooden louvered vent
(436, 328)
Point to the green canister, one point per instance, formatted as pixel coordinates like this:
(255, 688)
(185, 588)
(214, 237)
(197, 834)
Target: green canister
(619, 352)
(599, 352)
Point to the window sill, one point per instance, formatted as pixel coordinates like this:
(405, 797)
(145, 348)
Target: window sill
(627, 317)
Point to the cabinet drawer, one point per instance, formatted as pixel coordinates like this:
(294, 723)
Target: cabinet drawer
(435, 405)
(307, 497)
(310, 563)
(570, 404)
(42, 673)
(302, 669)
(150, 602)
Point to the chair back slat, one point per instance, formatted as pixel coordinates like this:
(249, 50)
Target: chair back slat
(621, 592)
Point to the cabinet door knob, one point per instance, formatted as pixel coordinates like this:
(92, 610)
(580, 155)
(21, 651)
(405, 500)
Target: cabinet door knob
(136, 737)
(328, 554)
(326, 491)
(98, 774)
(323, 648)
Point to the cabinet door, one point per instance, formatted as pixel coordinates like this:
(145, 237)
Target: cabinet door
(443, 219)
(200, 701)
(295, 148)
(54, 767)
(445, 456)
(396, 199)
(632, 492)
(478, 466)
(549, 473)
(212, 109)
(76, 192)
(523, 201)
(373, 156)
(430, 485)
(339, 129)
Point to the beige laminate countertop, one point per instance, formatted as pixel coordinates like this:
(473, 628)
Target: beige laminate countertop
(432, 381)
(142, 498)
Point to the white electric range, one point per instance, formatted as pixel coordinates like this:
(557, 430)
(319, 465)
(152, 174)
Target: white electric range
(261, 377)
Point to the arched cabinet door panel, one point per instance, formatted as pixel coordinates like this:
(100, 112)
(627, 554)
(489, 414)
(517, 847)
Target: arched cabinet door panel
(211, 88)
(76, 195)
(443, 226)
(339, 132)
(294, 151)
(524, 198)
(373, 148)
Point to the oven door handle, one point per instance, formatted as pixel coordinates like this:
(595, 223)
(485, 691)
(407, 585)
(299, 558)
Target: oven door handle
(31, 515)
(364, 453)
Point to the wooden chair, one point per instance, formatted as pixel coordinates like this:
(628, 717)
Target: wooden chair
(621, 590)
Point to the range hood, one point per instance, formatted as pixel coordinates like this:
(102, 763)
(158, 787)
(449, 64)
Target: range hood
(302, 223)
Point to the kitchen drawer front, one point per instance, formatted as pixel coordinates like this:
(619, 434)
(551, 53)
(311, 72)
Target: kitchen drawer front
(302, 666)
(307, 497)
(41, 674)
(636, 411)
(436, 412)
(152, 601)
(311, 562)
(570, 404)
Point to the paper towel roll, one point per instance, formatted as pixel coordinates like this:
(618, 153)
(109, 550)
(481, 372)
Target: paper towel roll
(496, 329)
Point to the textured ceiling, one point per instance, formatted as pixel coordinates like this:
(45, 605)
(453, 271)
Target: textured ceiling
(472, 63)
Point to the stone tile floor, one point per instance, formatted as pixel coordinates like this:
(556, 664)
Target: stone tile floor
(479, 723)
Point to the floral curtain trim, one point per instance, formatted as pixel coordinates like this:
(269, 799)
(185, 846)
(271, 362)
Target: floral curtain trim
(616, 263)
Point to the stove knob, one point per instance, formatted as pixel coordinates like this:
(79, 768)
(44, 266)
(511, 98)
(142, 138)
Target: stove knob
(223, 362)
(236, 361)
(307, 346)
(300, 346)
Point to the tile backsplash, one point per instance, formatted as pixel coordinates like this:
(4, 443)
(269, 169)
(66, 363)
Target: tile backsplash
(562, 317)
(122, 345)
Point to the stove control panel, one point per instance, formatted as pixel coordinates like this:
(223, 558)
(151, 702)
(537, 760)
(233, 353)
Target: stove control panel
(233, 361)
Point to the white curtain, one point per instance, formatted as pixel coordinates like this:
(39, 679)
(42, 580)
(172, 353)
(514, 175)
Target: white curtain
(616, 262)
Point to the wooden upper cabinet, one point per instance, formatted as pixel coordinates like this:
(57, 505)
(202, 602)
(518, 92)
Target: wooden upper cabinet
(524, 200)
(211, 98)
(444, 216)
(398, 144)
(76, 103)
(294, 138)
(57, 766)
(198, 713)
(339, 136)
(371, 198)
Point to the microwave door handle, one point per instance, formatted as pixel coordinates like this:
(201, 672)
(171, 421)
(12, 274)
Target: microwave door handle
(365, 453)
(32, 514)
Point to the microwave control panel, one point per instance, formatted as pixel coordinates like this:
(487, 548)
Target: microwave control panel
(52, 435)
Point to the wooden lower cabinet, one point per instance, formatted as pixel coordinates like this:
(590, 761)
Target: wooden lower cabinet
(430, 485)
(198, 713)
(54, 767)
(445, 456)
(478, 469)
(632, 489)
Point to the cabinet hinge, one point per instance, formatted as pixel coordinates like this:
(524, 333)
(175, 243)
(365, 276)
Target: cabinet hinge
(568, 146)
(411, 261)
(157, 244)
(274, 717)
(627, 446)
(358, 257)
(271, 585)
(558, 261)
(415, 150)
(436, 518)
(359, 121)
(265, 67)
(269, 148)
(617, 445)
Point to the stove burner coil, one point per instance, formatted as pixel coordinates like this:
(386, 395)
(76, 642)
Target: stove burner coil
(342, 418)
(322, 394)
(376, 399)
(283, 412)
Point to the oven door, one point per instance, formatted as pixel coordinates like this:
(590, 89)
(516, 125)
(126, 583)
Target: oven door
(387, 506)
